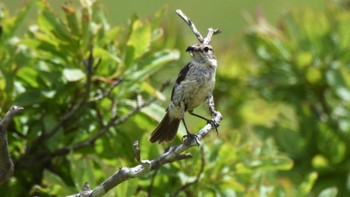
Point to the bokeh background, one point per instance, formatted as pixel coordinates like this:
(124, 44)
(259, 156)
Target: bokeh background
(282, 87)
(228, 15)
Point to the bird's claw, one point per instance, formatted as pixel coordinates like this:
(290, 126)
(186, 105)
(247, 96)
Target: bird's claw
(192, 137)
(214, 124)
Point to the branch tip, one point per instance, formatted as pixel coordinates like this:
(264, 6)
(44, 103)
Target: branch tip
(200, 38)
(137, 151)
(191, 25)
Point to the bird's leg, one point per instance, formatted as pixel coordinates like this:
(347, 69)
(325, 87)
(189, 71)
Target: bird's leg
(210, 121)
(189, 135)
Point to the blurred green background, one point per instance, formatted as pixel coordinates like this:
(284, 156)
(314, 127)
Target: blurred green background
(226, 15)
(282, 87)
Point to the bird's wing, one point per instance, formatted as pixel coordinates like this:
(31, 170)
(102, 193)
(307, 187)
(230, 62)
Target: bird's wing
(181, 77)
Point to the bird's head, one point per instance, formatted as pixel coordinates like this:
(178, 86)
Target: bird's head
(202, 53)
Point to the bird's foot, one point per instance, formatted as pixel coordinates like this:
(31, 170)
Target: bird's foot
(192, 137)
(214, 124)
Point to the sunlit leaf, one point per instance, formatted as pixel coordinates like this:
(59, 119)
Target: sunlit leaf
(152, 91)
(73, 74)
(308, 183)
(29, 77)
(51, 23)
(103, 54)
(56, 185)
(329, 192)
(140, 38)
(111, 35)
(320, 162)
(154, 63)
(71, 19)
(15, 23)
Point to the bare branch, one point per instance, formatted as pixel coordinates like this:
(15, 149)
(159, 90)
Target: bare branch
(211, 32)
(211, 105)
(9, 115)
(200, 38)
(6, 164)
(114, 121)
(137, 151)
(192, 26)
(173, 154)
(108, 92)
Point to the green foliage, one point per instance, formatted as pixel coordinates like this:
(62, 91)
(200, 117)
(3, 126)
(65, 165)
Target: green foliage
(305, 65)
(78, 79)
(82, 82)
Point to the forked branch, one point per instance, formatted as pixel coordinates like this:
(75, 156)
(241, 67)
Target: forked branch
(174, 153)
(200, 38)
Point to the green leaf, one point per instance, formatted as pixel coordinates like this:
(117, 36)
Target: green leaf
(154, 111)
(73, 74)
(140, 38)
(329, 192)
(320, 162)
(152, 91)
(111, 35)
(313, 75)
(56, 185)
(104, 54)
(83, 170)
(28, 76)
(159, 17)
(14, 25)
(71, 19)
(152, 64)
(276, 163)
(309, 182)
(334, 77)
(51, 23)
(29, 97)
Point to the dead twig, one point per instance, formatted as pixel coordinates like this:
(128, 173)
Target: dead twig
(6, 164)
(200, 38)
(114, 121)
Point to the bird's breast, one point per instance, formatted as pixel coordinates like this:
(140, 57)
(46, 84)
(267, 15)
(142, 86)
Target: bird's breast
(198, 86)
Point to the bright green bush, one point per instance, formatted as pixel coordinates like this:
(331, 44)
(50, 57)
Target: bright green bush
(78, 79)
(83, 83)
(304, 64)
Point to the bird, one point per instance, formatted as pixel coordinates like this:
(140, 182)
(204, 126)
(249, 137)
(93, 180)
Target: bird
(194, 85)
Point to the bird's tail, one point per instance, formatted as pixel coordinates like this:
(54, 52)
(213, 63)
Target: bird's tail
(166, 130)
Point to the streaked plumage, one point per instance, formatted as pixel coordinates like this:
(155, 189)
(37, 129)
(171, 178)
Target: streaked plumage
(194, 84)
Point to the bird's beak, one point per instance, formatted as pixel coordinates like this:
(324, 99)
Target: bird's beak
(190, 49)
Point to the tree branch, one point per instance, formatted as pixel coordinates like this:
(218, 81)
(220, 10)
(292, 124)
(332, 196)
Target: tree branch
(125, 173)
(200, 38)
(6, 165)
(108, 92)
(211, 32)
(114, 121)
(174, 153)
(192, 26)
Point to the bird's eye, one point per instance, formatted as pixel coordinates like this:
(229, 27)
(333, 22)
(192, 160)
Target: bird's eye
(206, 49)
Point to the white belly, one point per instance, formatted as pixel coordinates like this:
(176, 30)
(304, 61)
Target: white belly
(198, 93)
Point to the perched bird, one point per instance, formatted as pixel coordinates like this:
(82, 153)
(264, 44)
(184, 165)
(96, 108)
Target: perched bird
(194, 85)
